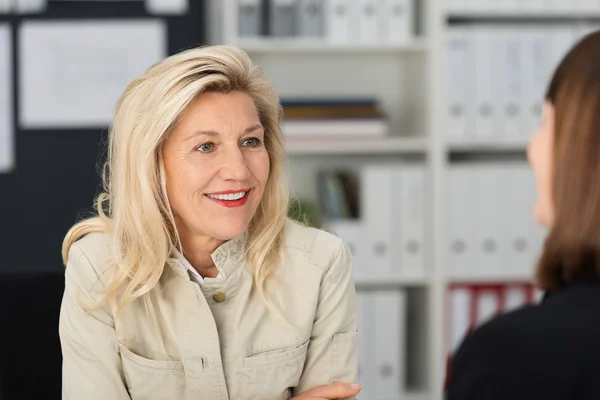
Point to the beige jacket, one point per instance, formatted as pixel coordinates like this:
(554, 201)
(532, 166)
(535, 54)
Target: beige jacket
(221, 342)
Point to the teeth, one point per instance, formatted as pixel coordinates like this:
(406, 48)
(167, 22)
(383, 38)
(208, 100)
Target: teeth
(230, 196)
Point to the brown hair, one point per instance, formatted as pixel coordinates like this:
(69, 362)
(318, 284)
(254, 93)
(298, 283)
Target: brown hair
(572, 248)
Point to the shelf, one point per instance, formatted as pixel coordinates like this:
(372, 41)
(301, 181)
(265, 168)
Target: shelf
(390, 282)
(508, 278)
(416, 395)
(292, 45)
(493, 146)
(375, 145)
(523, 14)
(411, 395)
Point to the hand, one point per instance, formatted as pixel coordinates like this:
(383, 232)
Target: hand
(336, 390)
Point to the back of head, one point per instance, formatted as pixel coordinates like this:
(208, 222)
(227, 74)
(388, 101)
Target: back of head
(134, 208)
(572, 248)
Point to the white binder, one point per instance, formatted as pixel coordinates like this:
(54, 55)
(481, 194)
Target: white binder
(250, 18)
(411, 208)
(390, 343)
(283, 17)
(342, 21)
(562, 38)
(397, 20)
(523, 250)
(511, 82)
(379, 196)
(311, 21)
(486, 96)
(489, 185)
(366, 343)
(536, 55)
(369, 19)
(352, 231)
(537, 233)
(460, 88)
(461, 229)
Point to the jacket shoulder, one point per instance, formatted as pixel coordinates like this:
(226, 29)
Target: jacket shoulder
(496, 344)
(506, 331)
(90, 260)
(321, 248)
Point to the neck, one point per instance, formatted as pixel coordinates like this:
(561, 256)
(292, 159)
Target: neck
(197, 250)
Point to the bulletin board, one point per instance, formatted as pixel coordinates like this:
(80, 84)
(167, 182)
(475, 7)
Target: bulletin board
(56, 173)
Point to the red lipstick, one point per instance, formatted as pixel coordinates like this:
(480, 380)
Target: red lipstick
(232, 201)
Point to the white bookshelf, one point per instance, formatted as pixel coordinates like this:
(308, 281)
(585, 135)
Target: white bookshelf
(364, 283)
(531, 14)
(288, 46)
(416, 396)
(491, 278)
(360, 146)
(410, 82)
(487, 146)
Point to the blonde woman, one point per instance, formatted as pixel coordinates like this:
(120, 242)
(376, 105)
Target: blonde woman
(191, 283)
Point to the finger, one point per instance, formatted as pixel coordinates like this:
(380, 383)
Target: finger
(337, 390)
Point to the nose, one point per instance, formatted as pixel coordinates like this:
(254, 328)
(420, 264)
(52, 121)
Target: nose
(234, 166)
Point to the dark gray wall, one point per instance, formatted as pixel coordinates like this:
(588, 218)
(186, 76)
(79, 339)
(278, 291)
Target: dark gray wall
(56, 175)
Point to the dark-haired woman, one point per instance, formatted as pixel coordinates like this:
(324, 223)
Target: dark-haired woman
(552, 350)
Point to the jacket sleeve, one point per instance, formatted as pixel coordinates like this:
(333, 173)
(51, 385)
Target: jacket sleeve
(91, 362)
(332, 350)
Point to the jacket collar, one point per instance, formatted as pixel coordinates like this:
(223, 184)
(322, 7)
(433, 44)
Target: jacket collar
(227, 257)
(577, 282)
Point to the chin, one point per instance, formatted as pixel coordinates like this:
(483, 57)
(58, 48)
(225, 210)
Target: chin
(230, 229)
(541, 217)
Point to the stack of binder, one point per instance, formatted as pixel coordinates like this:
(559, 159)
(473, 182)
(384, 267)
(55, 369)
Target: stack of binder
(556, 7)
(382, 343)
(497, 77)
(388, 240)
(329, 118)
(339, 21)
(491, 230)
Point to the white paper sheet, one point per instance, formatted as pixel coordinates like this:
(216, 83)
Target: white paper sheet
(7, 144)
(5, 6)
(167, 7)
(73, 72)
(30, 6)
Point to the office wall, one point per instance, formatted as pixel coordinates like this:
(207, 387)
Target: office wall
(57, 170)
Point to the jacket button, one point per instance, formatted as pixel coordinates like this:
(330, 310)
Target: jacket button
(219, 297)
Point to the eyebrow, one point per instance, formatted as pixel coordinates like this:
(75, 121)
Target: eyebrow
(215, 133)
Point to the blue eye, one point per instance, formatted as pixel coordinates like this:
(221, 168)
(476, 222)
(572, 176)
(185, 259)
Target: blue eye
(206, 147)
(252, 142)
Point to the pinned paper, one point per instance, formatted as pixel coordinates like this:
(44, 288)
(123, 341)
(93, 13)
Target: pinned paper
(7, 130)
(29, 6)
(73, 72)
(167, 7)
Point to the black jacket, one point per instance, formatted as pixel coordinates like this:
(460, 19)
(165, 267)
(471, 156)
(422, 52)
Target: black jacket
(546, 351)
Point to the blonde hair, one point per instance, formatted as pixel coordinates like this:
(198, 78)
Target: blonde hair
(133, 208)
